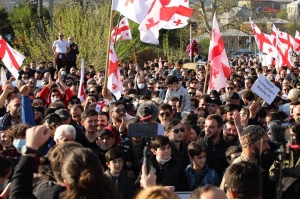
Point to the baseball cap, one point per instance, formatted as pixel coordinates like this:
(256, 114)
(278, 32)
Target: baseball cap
(63, 113)
(105, 131)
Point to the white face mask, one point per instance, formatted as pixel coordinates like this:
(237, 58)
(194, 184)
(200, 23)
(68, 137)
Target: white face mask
(141, 85)
(63, 72)
(54, 99)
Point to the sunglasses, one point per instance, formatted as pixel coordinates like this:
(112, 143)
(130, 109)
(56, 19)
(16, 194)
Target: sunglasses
(159, 87)
(177, 130)
(229, 88)
(92, 92)
(167, 114)
(37, 104)
(191, 93)
(72, 102)
(119, 110)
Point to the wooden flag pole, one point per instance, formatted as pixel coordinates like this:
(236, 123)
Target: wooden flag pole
(206, 76)
(134, 54)
(108, 47)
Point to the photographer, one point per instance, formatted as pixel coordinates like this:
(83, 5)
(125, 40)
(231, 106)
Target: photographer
(290, 166)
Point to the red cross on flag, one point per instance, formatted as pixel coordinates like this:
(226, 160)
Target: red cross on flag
(121, 31)
(219, 69)
(81, 91)
(114, 82)
(160, 16)
(134, 10)
(180, 19)
(264, 41)
(100, 105)
(284, 48)
(297, 42)
(11, 58)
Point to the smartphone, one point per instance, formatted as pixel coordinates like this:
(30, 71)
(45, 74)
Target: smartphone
(180, 100)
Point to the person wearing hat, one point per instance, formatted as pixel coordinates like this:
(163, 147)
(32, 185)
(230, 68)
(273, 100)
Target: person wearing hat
(60, 48)
(232, 98)
(64, 116)
(229, 110)
(38, 115)
(255, 144)
(105, 141)
(42, 67)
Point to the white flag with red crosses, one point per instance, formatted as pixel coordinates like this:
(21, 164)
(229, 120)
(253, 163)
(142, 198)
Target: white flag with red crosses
(121, 31)
(219, 69)
(297, 42)
(114, 81)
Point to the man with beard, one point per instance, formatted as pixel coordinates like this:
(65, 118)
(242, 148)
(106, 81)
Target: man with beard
(89, 120)
(215, 145)
(254, 142)
(103, 120)
(230, 133)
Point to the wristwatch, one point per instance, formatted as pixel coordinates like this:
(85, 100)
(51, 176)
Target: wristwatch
(27, 150)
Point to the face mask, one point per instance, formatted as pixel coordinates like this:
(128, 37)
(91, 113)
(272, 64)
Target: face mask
(162, 160)
(4, 185)
(63, 73)
(54, 99)
(19, 143)
(130, 77)
(280, 108)
(136, 104)
(141, 85)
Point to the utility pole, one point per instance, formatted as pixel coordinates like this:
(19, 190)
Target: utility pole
(41, 14)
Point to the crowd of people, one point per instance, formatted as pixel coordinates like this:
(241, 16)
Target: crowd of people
(215, 145)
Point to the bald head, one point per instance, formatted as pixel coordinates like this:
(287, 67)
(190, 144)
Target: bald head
(208, 192)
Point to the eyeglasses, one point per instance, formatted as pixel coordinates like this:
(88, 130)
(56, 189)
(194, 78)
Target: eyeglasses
(191, 93)
(119, 110)
(177, 130)
(167, 114)
(37, 104)
(74, 102)
(159, 87)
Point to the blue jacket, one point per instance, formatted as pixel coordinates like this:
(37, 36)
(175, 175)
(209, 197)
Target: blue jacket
(211, 177)
(27, 112)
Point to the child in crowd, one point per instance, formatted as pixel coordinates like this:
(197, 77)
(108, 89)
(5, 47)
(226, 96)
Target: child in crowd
(117, 174)
(198, 173)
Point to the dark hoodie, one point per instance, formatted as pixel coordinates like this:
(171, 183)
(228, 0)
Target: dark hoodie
(43, 93)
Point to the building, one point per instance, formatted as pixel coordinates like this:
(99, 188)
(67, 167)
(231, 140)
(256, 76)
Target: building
(293, 10)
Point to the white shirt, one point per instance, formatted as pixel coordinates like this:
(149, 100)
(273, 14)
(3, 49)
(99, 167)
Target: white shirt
(61, 46)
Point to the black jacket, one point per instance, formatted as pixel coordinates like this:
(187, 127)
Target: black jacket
(181, 155)
(125, 147)
(215, 155)
(123, 183)
(169, 174)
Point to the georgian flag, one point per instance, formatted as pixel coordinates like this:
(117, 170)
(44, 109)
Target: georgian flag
(219, 69)
(297, 42)
(11, 58)
(114, 82)
(121, 31)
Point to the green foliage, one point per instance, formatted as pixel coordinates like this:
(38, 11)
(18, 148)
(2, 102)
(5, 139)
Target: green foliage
(204, 46)
(282, 14)
(291, 27)
(5, 26)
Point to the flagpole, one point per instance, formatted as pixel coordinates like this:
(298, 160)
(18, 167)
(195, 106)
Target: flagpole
(134, 54)
(118, 24)
(206, 76)
(108, 46)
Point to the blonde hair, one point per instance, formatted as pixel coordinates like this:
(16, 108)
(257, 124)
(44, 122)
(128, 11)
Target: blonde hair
(293, 94)
(156, 192)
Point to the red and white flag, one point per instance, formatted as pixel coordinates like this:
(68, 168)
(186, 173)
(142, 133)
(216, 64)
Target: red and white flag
(121, 31)
(264, 41)
(297, 42)
(11, 58)
(81, 91)
(219, 69)
(100, 105)
(180, 18)
(284, 47)
(160, 16)
(160, 63)
(114, 82)
(134, 10)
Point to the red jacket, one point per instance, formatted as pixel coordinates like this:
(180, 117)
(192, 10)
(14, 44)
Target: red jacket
(43, 93)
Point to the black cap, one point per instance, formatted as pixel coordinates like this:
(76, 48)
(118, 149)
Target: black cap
(231, 107)
(105, 131)
(268, 106)
(63, 113)
(231, 96)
